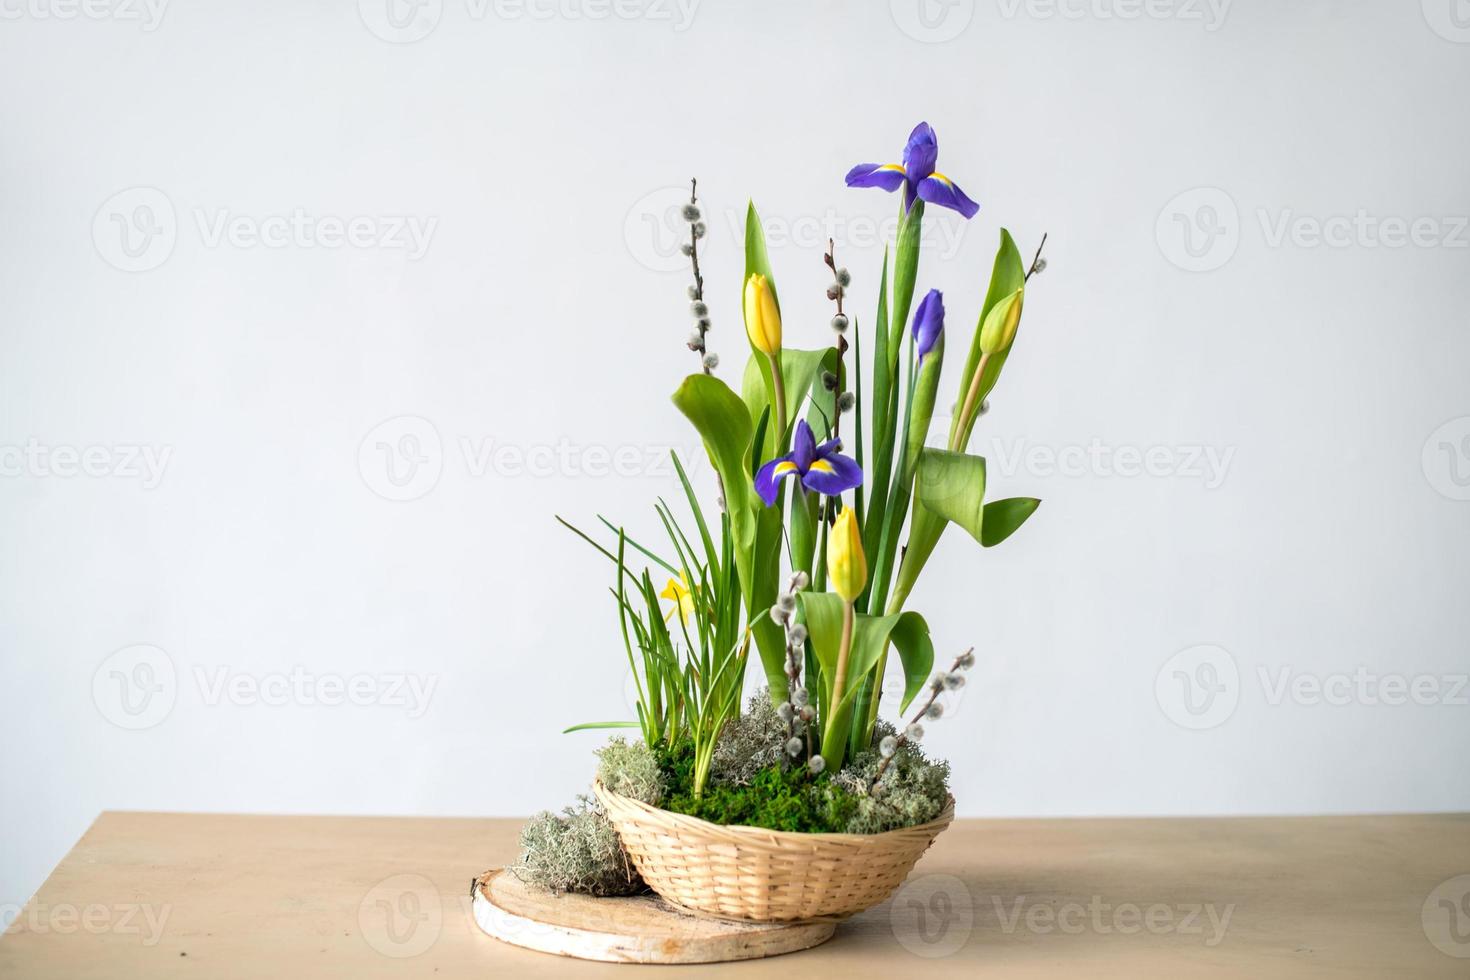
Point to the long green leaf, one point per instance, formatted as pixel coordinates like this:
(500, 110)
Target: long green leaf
(905, 273)
(1008, 275)
(638, 547)
(710, 554)
(884, 382)
(588, 725)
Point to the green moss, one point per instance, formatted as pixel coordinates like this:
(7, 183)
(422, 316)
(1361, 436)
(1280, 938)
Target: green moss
(777, 799)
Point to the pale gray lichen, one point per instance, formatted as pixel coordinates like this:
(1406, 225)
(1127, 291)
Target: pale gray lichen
(631, 769)
(913, 789)
(749, 743)
(577, 850)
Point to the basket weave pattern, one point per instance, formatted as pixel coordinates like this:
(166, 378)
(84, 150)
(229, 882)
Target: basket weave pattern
(765, 875)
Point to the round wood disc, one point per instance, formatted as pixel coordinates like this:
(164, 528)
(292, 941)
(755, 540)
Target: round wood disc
(640, 929)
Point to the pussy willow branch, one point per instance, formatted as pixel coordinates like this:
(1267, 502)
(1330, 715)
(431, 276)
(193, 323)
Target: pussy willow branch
(1033, 270)
(698, 278)
(903, 737)
(831, 259)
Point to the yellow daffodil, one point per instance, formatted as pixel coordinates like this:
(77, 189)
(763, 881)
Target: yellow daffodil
(678, 592)
(762, 318)
(847, 566)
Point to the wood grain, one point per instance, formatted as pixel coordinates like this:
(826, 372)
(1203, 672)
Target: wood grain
(160, 895)
(637, 929)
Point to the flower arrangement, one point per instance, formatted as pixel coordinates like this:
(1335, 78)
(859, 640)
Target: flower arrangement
(800, 563)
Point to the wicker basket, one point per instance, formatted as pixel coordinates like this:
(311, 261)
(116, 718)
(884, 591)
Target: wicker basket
(763, 875)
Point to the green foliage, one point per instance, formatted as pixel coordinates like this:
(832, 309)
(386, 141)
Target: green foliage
(688, 675)
(576, 851)
(907, 631)
(913, 789)
(631, 769)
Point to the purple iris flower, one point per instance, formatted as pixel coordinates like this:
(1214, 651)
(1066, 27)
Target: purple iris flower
(820, 469)
(916, 175)
(928, 322)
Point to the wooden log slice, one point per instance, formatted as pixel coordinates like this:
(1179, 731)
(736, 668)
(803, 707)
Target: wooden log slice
(640, 929)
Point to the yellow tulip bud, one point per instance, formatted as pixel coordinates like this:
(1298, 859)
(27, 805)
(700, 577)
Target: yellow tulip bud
(999, 328)
(762, 319)
(847, 566)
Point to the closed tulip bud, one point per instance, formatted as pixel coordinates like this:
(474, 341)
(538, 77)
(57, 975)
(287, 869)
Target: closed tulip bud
(762, 318)
(999, 328)
(847, 566)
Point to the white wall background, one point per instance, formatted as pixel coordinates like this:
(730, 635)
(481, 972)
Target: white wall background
(1327, 381)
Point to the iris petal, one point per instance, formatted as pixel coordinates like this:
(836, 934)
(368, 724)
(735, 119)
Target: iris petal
(921, 153)
(803, 445)
(833, 475)
(888, 176)
(768, 478)
(939, 189)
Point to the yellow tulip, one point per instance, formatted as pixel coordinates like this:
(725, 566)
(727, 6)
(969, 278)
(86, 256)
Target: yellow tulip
(999, 329)
(847, 566)
(762, 318)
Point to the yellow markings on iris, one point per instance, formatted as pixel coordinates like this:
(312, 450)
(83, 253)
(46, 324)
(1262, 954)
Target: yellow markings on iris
(820, 466)
(784, 467)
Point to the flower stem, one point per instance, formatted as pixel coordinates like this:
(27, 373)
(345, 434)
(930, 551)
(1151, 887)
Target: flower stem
(971, 397)
(778, 395)
(832, 745)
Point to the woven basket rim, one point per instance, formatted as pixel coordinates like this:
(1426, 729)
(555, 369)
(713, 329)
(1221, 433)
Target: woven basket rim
(945, 817)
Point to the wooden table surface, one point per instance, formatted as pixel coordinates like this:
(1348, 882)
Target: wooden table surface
(218, 896)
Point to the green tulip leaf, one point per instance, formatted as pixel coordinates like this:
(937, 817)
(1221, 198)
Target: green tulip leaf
(952, 486)
(1008, 276)
(757, 259)
(907, 631)
(801, 371)
(1003, 517)
(724, 424)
